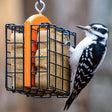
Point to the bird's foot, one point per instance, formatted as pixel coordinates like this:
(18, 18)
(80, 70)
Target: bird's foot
(67, 43)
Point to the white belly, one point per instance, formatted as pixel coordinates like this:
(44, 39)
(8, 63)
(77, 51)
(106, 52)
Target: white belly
(76, 53)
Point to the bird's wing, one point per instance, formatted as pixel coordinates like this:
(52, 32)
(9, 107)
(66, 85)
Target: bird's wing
(88, 63)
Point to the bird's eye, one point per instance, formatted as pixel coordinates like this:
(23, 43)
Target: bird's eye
(95, 28)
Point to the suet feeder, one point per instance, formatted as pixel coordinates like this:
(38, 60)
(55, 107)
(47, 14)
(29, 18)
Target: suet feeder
(37, 61)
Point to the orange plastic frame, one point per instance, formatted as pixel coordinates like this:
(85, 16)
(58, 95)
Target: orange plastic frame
(35, 19)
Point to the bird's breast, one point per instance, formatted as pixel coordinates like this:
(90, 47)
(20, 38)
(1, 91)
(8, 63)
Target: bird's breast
(76, 53)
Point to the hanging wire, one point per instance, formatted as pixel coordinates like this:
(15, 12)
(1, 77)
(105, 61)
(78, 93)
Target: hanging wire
(42, 3)
(38, 1)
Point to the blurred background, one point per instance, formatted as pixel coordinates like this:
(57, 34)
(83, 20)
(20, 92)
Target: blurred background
(97, 96)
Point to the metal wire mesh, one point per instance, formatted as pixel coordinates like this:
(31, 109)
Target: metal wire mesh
(50, 70)
(12, 58)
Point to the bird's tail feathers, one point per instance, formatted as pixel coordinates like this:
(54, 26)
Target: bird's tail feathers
(69, 101)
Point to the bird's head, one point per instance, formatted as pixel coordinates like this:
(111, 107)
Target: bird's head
(95, 30)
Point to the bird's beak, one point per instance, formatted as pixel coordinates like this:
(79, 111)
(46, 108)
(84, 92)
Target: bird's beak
(87, 28)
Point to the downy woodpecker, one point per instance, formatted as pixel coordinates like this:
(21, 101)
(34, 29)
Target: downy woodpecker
(86, 58)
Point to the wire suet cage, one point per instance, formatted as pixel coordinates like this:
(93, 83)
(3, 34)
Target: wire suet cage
(49, 72)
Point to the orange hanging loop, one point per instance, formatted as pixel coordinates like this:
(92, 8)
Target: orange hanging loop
(34, 19)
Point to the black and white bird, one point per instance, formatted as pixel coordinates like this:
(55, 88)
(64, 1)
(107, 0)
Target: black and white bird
(86, 58)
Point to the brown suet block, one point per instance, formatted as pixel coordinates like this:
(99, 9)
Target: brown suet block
(17, 77)
(56, 71)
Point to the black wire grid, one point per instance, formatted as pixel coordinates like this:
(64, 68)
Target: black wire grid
(12, 60)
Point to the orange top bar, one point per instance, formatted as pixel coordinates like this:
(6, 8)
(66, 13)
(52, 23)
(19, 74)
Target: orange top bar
(35, 19)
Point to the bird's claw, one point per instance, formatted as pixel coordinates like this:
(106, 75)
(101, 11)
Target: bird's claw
(67, 43)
